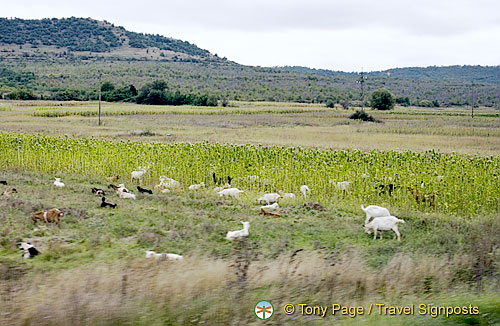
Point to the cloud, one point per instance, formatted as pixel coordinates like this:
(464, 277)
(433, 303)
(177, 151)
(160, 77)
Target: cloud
(340, 34)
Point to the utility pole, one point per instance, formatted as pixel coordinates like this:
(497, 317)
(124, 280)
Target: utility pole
(361, 81)
(472, 99)
(100, 86)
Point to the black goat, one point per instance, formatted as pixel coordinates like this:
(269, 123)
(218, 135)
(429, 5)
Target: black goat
(144, 191)
(3, 182)
(386, 188)
(220, 181)
(104, 204)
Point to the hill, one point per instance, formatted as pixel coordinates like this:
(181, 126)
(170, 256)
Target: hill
(60, 59)
(89, 35)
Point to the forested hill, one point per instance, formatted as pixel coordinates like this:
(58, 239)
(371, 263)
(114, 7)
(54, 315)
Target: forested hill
(86, 34)
(60, 59)
(450, 74)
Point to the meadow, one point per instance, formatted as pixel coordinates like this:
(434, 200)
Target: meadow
(92, 269)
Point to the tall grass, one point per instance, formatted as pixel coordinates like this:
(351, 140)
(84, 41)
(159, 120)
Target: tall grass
(462, 184)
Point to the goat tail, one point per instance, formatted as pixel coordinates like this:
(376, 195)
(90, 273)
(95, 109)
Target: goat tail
(362, 207)
(400, 220)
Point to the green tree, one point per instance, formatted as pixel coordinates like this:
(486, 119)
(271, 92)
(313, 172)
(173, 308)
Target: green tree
(107, 86)
(382, 99)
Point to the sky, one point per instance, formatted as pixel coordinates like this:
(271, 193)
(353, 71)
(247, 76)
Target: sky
(347, 35)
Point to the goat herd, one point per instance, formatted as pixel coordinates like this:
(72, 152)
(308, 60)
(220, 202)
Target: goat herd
(377, 218)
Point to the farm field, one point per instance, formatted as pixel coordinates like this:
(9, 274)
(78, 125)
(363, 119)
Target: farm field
(93, 265)
(284, 124)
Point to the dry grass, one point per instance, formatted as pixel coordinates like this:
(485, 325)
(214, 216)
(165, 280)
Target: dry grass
(198, 289)
(288, 124)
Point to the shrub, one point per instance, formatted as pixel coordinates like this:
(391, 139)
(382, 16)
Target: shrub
(382, 99)
(362, 115)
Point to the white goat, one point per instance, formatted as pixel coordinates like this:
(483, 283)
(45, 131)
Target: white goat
(121, 188)
(231, 192)
(289, 195)
(271, 207)
(269, 198)
(126, 195)
(384, 223)
(304, 190)
(196, 186)
(137, 175)
(374, 211)
(150, 254)
(342, 186)
(58, 183)
(167, 183)
(231, 235)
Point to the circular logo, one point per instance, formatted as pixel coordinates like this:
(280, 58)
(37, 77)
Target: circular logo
(264, 310)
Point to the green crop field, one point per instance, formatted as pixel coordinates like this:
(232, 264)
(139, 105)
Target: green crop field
(93, 271)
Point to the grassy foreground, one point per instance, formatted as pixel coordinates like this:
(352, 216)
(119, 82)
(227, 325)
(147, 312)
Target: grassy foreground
(92, 269)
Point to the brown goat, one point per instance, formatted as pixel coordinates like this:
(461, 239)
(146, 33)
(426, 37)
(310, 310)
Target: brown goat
(423, 197)
(263, 212)
(47, 216)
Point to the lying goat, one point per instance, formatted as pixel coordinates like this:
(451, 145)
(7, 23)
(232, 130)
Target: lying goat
(98, 191)
(9, 193)
(3, 182)
(150, 254)
(104, 204)
(29, 251)
(144, 190)
(47, 216)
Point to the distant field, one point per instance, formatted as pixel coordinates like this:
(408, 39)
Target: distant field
(289, 124)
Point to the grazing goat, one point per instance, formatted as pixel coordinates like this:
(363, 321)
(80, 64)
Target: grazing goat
(47, 216)
(29, 251)
(374, 211)
(304, 190)
(104, 204)
(288, 195)
(423, 197)
(197, 186)
(98, 191)
(269, 198)
(231, 192)
(9, 193)
(151, 254)
(384, 223)
(343, 185)
(220, 181)
(3, 182)
(144, 190)
(58, 183)
(386, 188)
(231, 235)
(137, 175)
(113, 179)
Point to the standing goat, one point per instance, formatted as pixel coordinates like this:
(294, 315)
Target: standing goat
(384, 224)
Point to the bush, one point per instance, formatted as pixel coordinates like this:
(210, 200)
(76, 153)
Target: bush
(21, 94)
(362, 115)
(330, 104)
(382, 99)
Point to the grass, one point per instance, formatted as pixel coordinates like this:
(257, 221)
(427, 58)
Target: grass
(93, 265)
(92, 269)
(288, 124)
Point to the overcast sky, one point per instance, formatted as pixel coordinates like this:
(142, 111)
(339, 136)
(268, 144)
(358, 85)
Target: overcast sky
(337, 34)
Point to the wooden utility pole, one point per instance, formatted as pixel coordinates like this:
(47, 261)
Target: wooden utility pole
(100, 86)
(472, 99)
